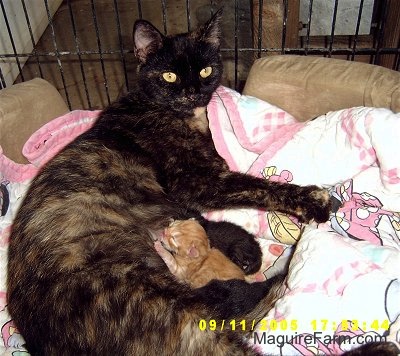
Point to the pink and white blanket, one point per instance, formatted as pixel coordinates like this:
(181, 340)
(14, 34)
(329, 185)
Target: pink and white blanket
(14, 182)
(343, 285)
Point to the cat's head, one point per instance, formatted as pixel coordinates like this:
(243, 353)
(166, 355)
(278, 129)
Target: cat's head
(186, 238)
(180, 71)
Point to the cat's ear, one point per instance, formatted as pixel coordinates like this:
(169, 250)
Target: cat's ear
(211, 31)
(147, 39)
(193, 251)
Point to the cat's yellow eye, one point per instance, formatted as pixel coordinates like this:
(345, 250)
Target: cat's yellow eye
(169, 77)
(205, 72)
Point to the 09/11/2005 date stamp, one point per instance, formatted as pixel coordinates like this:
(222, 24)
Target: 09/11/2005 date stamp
(291, 325)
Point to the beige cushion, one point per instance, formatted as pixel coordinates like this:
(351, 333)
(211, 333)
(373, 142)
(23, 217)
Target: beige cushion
(310, 86)
(24, 108)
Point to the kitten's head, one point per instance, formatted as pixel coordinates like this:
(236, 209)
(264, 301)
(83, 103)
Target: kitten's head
(187, 239)
(179, 71)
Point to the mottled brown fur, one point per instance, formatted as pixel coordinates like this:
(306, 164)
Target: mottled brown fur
(83, 275)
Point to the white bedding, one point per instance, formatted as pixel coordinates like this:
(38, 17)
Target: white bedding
(343, 285)
(344, 277)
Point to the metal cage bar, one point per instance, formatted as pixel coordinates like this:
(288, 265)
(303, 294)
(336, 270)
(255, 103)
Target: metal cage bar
(57, 53)
(236, 49)
(11, 38)
(188, 19)
(121, 45)
(332, 37)
(310, 6)
(103, 69)
(260, 26)
(284, 24)
(140, 9)
(164, 15)
(2, 80)
(360, 9)
(78, 51)
(28, 23)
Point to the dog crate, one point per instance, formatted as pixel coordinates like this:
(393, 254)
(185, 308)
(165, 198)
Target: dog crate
(85, 49)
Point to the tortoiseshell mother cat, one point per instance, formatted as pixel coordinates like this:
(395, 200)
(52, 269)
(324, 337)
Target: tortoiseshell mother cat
(84, 277)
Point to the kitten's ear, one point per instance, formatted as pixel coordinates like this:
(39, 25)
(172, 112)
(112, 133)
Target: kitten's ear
(211, 31)
(193, 251)
(147, 39)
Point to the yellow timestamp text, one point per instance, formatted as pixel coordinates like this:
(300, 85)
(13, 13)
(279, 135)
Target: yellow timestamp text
(292, 325)
(349, 325)
(248, 325)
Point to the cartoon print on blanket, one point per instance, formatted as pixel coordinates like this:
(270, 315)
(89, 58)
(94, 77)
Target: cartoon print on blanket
(341, 271)
(257, 138)
(361, 217)
(11, 335)
(343, 278)
(340, 293)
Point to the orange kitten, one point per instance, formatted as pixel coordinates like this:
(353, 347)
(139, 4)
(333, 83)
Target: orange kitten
(185, 248)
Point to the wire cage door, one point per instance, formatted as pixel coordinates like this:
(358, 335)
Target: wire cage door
(85, 49)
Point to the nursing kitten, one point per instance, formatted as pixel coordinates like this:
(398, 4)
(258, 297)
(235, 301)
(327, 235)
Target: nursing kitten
(186, 250)
(83, 275)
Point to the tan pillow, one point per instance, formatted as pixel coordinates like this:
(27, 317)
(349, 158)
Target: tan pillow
(307, 87)
(24, 108)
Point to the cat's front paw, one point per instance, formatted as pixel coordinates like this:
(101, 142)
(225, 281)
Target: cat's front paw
(315, 205)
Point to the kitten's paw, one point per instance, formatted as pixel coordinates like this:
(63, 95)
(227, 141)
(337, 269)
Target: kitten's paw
(316, 205)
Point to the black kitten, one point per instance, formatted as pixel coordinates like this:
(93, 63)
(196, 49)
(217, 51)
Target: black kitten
(83, 275)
